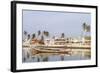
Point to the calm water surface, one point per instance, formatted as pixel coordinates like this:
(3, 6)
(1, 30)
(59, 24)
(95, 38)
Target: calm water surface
(45, 57)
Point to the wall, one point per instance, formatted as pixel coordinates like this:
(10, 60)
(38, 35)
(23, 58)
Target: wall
(5, 36)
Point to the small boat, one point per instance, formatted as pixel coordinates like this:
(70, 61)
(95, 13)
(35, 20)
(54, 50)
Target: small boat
(40, 50)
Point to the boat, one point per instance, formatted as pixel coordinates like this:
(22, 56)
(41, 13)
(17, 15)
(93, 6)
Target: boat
(43, 50)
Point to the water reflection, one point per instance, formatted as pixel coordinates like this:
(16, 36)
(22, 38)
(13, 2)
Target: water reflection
(53, 57)
(45, 57)
(62, 57)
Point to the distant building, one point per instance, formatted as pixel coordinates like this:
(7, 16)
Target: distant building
(49, 41)
(60, 41)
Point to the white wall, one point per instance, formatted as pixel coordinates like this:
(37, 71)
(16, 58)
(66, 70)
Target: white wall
(5, 36)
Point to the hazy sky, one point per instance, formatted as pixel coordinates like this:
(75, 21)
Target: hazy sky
(56, 23)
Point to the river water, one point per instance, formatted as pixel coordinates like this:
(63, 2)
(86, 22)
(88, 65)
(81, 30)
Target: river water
(46, 57)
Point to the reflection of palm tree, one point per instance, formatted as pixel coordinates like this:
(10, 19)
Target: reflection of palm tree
(38, 59)
(45, 58)
(62, 58)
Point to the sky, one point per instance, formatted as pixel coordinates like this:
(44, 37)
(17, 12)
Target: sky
(55, 23)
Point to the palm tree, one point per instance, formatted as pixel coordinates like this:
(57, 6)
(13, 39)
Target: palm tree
(25, 36)
(46, 33)
(25, 33)
(28, 36)
(41, 41)
(86, 28)
(33, 36)
(42, 38)
(62, 35)
(39, 32)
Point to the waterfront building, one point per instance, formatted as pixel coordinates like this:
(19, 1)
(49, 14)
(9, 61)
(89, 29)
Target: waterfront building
(60, 41)
(49, 41)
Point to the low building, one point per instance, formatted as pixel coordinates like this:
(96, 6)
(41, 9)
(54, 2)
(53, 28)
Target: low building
(60, 41)
(49, 41)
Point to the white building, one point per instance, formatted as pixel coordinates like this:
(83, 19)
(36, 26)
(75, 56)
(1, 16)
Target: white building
(49, 41)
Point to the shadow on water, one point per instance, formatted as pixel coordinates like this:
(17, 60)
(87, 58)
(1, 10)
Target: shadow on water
(38, 59)
(45, 59)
